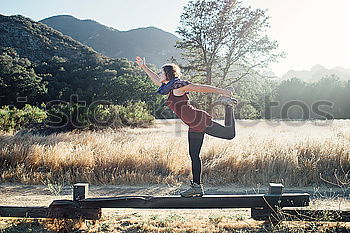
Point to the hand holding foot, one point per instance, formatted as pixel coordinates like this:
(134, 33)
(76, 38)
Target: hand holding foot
(227, 98)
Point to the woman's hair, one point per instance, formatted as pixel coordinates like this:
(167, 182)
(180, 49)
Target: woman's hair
(171, 71)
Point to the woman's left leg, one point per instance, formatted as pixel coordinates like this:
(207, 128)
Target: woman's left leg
(195, 142)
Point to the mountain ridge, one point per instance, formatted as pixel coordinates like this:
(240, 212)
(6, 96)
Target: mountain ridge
(39, 42)
(155, 43)
(317, 72)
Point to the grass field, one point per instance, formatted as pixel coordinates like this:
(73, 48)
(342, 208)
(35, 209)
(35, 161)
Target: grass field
(155, 160)
(292, 152)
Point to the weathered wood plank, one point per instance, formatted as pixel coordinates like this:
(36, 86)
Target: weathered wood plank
(55, 210)
(23, 212)
(206, 201)
(72, 209)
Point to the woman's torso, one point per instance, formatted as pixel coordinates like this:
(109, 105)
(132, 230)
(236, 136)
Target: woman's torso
(196, 119)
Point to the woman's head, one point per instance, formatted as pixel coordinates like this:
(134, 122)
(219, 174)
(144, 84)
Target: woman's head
(169, 71)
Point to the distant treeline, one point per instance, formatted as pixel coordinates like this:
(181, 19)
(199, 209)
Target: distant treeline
(294, 99)
(329, 98)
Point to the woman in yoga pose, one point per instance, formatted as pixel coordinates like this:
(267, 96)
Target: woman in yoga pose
(199, 121)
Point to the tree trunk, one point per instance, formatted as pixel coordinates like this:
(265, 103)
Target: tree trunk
(209, 104)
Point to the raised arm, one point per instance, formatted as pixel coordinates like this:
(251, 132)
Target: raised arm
(206, 88)
(154, 77)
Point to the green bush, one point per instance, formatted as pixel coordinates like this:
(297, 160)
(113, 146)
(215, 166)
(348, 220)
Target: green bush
(13, 119)
(69, 116)
(66, 116)
(247, 111)
(135, 114)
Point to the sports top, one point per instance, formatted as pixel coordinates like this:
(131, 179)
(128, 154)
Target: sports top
(197, 120)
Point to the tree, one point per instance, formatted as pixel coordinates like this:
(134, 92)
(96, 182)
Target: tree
(223, 42)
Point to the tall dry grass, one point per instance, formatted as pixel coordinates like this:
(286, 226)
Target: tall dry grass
(294, 153)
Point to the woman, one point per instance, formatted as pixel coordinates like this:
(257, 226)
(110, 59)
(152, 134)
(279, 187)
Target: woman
(199, 121)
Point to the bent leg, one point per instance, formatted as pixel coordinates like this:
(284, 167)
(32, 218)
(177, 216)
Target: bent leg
(195, 141)
(226, 132)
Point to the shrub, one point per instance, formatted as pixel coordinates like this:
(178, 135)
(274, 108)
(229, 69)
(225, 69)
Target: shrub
(135, 114)
(247, 111)
(69, 116)
(13, 119)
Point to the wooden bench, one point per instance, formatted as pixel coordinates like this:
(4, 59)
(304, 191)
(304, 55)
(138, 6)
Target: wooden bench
(262, 205)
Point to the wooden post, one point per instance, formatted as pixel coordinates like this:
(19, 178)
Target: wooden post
(80, 191)
(268, 212)
(275, 188)
(261, 213)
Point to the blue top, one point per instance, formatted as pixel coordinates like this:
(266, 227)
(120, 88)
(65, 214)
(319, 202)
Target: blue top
(174, 83)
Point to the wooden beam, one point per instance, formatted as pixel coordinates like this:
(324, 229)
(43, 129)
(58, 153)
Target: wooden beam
(72, 209)
(23, 212)
(206, 201)
(57, 209)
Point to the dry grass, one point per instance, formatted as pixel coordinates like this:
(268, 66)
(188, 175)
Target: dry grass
(263, 151)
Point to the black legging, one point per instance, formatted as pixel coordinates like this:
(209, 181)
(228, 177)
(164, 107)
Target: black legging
(195, 140)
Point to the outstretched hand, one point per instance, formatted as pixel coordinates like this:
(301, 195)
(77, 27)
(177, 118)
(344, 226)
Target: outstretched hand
(140, 61)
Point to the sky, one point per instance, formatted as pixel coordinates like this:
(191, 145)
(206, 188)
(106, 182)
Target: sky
(310, 31)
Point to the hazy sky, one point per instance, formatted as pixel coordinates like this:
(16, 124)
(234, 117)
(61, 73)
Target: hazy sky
(310, 31)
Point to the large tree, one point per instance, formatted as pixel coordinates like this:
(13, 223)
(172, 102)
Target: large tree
(224, 41)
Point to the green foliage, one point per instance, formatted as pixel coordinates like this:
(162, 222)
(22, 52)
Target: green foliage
(69, 116)
(293, 99)
(326, 99)
(252, 93)
(113, 80)
(43, 65)
(18, 79)
(224, 41)
(247, 111)
(135, 114)
(110, 80)
(13, 119)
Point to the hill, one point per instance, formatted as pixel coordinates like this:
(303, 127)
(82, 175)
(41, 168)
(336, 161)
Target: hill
(38, 42)
(156, 44)
(37, 59)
